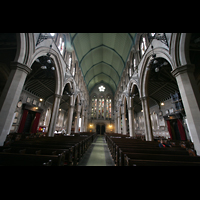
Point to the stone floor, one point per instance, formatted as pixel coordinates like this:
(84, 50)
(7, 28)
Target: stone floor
(98, 154)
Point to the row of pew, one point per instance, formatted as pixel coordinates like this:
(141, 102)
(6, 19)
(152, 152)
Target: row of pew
(46, 151)
(128, 151)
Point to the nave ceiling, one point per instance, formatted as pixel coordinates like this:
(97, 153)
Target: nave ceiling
(102, 56)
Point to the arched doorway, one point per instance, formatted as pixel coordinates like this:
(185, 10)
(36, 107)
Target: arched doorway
(100, 129)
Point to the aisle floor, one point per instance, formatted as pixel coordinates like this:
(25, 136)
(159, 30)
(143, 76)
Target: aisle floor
(98, 154)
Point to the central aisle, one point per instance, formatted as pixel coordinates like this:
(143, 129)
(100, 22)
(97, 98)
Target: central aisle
(98, 154)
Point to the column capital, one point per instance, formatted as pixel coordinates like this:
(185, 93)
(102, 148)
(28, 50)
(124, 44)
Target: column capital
(58, 96)
(20, 66)
(143, 98)
(129, 108)
(183, 69)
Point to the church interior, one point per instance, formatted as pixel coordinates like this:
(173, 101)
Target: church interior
(99, 99)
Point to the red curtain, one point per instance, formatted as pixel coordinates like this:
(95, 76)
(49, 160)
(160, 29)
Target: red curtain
(169, 129)
(35, 123)
(23, 120)
(181, 129)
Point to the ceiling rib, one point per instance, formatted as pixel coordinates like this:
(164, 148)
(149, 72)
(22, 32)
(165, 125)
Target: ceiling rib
(103, 63)
(102, 45)
(104, 74)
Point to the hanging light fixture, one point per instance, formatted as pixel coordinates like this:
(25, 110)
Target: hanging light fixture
(155, 63)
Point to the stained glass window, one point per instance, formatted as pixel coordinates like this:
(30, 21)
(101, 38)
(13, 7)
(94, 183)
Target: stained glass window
(95, 108)
(92, 112)
(102, 102)
(109, 108)
(99, 114)
(106, 108)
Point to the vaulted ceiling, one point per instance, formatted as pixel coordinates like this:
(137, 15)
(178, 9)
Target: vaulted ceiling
(102, 56)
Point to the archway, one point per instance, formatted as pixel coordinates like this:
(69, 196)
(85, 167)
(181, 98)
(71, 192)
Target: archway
(39, 90)
(164, 96)
(100, 128)
(135, 111)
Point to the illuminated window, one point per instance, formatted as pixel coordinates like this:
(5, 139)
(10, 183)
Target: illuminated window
(70, 61)
(94, 108)
(109, 108)
(61, 45)
(102, 88)
(143, 46)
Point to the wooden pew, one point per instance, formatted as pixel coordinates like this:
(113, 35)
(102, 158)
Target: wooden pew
(121, 146)
(76, 144)
(134, 159)
(123, 150)
(41, 151)
(14, 159)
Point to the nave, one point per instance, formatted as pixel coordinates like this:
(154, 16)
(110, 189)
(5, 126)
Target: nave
(98, 154)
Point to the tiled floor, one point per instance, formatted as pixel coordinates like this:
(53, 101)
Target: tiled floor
(98, 154)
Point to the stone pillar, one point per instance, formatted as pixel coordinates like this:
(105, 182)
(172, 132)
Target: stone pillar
(147, 120)
(10, 97)
(86, 121)
(54, 115)
(131, 122)
(70, 115)
(82, 121)
(119, 123)
(77, 122)
(191, 100)
(116, 125)
(124, 129)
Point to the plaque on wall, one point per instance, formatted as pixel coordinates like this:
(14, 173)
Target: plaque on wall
(171, 110)
(161, 122)
(34, 102)
(19, 104)
(28, 100)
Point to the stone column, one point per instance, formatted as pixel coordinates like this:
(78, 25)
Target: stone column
(86, 121)
(119, 123)
(124, 124)
(54, 115)
(191, 100)
(116, 125)
(10, 97)
(131, 122)
(77, 122)
(82, 121)
(147, 120)
(70, 115)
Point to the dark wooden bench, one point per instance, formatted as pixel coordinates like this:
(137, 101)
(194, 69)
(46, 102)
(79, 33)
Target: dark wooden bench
(13, 159)
(72, 145)
(169, 151)
(41, 151)
(180, 159)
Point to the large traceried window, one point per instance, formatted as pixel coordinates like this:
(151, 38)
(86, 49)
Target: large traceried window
(108, 107)
(94, 108)
(101, 108)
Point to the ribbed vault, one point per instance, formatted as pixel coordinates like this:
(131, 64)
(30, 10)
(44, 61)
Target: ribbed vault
(102, 56)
